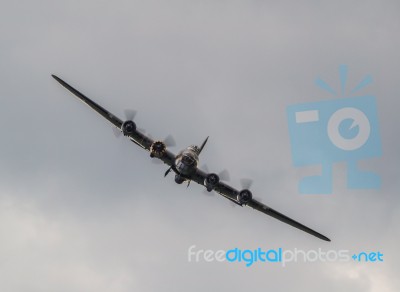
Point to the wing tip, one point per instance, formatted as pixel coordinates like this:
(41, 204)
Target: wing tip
(56, 78)
(320, 236)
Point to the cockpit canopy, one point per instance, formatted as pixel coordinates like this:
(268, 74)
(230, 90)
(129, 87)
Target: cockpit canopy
(194, 148)
(188, 159)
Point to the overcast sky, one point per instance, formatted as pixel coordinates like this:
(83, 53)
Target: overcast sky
(81, 210)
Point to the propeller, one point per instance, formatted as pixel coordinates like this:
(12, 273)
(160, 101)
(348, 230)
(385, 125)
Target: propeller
(232, 204)
(168, 171)
(117, 132)
(223, 176)
(130, 114)
(169, 141)
(246, 184)
(205, 168)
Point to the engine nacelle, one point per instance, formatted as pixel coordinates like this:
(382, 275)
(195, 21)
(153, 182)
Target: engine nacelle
(211, 181)
(158, 149)
(128, 127)
(179, 179)
(244, 197)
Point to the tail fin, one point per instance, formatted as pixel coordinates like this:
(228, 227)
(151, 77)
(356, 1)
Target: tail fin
(202, 145)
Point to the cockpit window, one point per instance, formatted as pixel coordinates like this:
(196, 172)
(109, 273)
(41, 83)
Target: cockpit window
(187, 160)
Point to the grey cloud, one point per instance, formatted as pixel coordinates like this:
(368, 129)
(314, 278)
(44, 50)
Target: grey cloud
(83, 211)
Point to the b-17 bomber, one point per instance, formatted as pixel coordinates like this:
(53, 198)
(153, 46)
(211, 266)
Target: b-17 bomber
(185, 164)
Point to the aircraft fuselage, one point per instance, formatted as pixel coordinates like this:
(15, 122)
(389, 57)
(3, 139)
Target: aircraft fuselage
(186, 161)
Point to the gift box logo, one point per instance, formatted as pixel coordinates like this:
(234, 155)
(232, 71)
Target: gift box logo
(336, 130)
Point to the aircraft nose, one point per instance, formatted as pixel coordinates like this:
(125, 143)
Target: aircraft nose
(187, 160)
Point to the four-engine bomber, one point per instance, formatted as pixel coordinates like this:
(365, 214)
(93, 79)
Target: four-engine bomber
(185, 163)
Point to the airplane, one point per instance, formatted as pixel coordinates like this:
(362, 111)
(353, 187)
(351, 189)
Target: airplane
(185, 163)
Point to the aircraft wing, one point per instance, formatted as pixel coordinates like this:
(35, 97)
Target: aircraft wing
(271, 212)
(221, 188)
(231, 194)
(136, 137)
